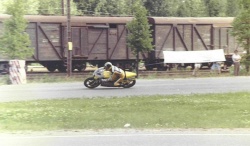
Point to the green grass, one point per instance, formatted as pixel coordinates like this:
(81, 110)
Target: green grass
(229, 110)
(4, 80)
(53, 79)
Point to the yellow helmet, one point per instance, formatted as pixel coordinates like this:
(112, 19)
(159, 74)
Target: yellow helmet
(108, 65)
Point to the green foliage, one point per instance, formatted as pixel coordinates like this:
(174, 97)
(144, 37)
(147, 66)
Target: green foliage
(29, 5)
(179, 8)
(139, 37)
(15, 41)
(245, 5)
(86, 6)
(182, 8)
(106, 7)
(49, 7)
(241, 30)
(54, 7)
(191, 8)
(161, 7)
(214, 8)
(232, 8)
(114, 7)
(246, 61)
(43, 7)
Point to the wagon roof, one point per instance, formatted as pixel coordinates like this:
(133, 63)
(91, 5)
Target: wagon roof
(74, 19)
(217, 21)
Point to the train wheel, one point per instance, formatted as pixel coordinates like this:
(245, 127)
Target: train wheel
(162, 68)
(148, 67)
(62, 68)
(51, 68)
(81, 68)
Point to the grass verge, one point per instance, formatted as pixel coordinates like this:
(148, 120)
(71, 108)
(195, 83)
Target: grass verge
(229, 110)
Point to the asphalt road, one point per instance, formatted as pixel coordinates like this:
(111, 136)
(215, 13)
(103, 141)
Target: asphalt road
(142, 87)
(166, 137)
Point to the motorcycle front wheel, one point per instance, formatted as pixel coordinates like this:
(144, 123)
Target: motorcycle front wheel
(91, 83)
(129, 84)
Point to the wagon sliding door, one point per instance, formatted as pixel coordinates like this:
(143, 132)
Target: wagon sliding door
(48, 43)
(97, 43)
(79, 42)
(182, 37)
(223, 39)
(108, 43)
(118, 44)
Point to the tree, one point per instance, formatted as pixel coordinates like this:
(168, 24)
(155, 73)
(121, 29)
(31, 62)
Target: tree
(241, 30)
(139, 38)
(15, 42)
(232, 8)
(42, 7)
(182, 11)
(191, 8)
(113, 7)
(86, 6)
(161, 7)
(105, 7)
(54, 7)
(214, 8)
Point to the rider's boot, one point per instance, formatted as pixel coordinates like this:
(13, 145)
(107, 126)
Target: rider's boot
(117, 82)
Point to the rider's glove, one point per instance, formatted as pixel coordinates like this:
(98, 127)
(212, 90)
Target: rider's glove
(110, 78)
(104, 80)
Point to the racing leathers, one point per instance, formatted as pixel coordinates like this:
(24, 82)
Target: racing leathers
(117, 75)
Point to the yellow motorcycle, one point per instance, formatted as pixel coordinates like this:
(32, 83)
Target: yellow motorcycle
(100, 77)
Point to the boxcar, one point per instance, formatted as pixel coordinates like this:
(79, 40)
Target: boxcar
(95, 40)
(190, 34)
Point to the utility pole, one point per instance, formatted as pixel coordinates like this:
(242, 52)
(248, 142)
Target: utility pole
(70, 46)
(62, 4)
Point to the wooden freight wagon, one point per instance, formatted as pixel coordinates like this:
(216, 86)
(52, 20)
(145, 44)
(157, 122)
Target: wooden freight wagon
(95, 40)
(190, 34)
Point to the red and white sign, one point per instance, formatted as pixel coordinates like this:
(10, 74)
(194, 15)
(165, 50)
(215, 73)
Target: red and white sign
(17, 71)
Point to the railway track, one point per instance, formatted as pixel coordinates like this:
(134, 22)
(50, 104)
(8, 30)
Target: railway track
(142, 74)
(41, 73)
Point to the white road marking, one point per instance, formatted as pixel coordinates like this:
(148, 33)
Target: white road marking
(119, 135)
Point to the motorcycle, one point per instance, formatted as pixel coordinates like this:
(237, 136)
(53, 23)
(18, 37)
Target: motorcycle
(101, 76)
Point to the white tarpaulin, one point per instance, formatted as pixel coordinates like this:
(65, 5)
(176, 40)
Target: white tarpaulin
(194, 56)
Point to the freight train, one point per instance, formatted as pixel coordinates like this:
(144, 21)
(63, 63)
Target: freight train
(100, 39)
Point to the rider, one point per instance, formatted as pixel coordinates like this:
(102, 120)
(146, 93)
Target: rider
(117, 73)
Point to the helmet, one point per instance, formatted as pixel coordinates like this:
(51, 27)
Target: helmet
(108, 65)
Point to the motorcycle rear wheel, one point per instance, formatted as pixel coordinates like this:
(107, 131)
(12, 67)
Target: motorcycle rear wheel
(91, 83)
(129, 84)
